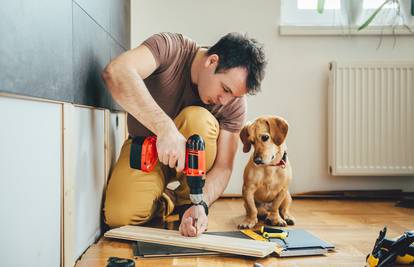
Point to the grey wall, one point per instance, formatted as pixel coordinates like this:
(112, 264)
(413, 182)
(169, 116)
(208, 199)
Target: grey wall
(56, 49)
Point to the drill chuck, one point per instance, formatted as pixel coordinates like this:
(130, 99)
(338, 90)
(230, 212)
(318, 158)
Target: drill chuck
(196, 184)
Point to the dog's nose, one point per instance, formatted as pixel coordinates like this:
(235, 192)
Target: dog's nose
(258, 160)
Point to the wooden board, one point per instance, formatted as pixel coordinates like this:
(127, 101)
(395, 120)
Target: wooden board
(222, 244)
(68, 227)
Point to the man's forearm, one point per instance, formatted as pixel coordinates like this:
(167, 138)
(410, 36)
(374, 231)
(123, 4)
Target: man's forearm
(129, 91)
(216, 182)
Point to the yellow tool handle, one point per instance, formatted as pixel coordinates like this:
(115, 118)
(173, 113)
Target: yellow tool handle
(406, 259)
(372, 261)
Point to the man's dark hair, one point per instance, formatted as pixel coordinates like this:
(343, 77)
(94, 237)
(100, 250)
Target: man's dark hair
(237, 50)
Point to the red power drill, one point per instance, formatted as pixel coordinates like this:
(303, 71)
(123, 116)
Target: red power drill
(144, 157)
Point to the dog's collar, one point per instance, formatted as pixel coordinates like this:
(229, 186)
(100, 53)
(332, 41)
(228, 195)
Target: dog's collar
(282, 162)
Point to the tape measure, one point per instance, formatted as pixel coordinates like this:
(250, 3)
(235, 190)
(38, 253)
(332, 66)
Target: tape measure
(253, 235)
(270, 232)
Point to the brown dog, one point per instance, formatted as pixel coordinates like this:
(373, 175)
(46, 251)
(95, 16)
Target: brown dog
(267, 174)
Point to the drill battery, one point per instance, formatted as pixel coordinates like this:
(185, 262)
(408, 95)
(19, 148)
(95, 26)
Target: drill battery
(143, 154)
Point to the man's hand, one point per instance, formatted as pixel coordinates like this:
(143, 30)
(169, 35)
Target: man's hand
(171, 147)
(187, 227)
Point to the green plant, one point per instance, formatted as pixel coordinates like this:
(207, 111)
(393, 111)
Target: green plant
(412, 8)
(371, 18)
(321, 6)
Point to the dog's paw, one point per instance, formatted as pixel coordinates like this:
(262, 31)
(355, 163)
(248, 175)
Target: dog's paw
(275, 221)
(290, 221)
(247, 223)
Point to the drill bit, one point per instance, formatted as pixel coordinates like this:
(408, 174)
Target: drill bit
(196, 219)
(196, 200)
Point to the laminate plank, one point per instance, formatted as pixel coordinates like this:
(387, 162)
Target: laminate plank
(208, 242)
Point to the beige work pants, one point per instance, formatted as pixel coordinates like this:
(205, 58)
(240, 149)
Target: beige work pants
(134, 197)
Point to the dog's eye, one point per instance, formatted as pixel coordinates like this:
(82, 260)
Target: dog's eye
(265, 138)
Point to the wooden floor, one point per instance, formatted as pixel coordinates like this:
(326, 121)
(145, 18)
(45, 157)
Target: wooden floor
(352, 226)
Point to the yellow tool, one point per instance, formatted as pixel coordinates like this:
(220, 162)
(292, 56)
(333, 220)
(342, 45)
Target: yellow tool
(269, 232)
(388, 252)
(253, 235)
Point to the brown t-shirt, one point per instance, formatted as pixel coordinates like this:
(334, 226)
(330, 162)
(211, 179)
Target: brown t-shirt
(171, 87)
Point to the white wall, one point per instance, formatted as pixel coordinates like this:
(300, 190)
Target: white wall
(92, 141)
(296, 83)
(54, 159)
(89, 169)
(30, 182)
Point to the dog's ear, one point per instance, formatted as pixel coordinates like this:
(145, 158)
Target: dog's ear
(244, 136)
(278, 129)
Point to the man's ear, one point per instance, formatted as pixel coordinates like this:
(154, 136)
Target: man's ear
(278, 129)
(244, 136)
(212, 60)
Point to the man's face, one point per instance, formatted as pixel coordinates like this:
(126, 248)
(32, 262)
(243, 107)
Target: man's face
(221, 87)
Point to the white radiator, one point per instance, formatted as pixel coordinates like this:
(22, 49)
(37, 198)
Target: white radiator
(371, 118)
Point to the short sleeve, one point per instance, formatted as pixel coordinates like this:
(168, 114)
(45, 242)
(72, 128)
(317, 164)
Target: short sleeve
(163, 47)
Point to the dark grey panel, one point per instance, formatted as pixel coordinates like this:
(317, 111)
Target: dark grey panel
(36, 48)
(120, 16)
(91, 52)
(57, 49)
(97, 9)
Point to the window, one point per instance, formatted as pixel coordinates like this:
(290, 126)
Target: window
(303, 13)
(337, 13)
(311, 4)
(373, 4)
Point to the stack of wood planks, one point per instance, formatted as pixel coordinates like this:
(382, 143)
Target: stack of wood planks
(221, 244)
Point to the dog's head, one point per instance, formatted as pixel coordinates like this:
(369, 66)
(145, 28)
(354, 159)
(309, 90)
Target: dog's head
(267, 135)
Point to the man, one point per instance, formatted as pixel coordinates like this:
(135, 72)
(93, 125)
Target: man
(173, 88)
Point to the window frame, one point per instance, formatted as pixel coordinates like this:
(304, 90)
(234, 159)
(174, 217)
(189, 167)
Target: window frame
(295, 21)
